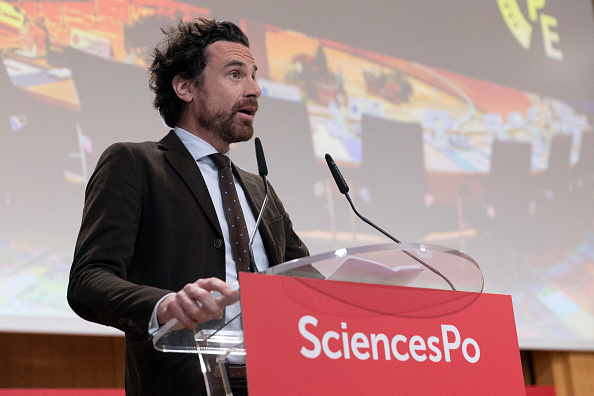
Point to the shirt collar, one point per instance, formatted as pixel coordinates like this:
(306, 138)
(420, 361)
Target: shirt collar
(199, 148)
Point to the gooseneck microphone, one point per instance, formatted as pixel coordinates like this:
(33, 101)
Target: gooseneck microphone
(262, 168)
(263, 171)
(344, 189)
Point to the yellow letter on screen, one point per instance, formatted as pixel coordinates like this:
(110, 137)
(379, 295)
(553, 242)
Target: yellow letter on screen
(533, 7)
(549, 37)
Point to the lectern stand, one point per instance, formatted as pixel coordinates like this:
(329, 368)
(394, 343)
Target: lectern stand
(400, 265)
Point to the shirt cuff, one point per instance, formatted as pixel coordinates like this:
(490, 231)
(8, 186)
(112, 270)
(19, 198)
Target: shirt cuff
(154, 323)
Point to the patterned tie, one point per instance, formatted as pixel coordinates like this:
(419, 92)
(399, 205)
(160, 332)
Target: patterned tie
(238, 231)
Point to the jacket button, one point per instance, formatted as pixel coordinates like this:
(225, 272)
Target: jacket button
(218, 243)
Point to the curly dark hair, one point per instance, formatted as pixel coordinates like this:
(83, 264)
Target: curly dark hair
(183, 53)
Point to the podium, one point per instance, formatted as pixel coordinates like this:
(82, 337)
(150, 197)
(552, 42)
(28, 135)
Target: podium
(362, 278)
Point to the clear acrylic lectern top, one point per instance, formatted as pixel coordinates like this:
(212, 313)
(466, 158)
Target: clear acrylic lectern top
(405, 264)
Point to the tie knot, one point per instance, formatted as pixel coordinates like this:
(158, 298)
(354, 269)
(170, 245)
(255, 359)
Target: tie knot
(221, 161)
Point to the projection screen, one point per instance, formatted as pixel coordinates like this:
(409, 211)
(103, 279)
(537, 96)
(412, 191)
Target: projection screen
(464, 124)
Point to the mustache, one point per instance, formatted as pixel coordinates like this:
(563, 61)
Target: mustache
(245, 103)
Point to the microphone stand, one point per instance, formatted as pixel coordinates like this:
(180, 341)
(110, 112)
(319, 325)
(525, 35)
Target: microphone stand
(263, 171)
(253, 265)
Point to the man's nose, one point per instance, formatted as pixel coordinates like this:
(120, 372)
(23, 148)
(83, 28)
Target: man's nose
(253, 90)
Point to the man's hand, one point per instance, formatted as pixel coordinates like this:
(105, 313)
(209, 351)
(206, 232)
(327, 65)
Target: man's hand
(195, 303)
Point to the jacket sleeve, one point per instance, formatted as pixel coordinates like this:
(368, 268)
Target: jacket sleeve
(98, 288)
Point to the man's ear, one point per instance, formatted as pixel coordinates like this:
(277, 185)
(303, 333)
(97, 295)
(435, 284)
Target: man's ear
(183, 88)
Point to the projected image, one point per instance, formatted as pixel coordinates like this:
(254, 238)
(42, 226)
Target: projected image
(498, 172)
(460, 116)
(72, 80)
(431, 155)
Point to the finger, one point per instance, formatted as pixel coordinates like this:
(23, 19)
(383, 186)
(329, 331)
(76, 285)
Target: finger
(191, 313)
(198, 303)
(224, 301)
(214, 284)
(175, 310)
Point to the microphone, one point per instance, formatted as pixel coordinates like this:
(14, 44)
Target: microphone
(263, 171)
(262, 168)
(340, 182)
(344, 189)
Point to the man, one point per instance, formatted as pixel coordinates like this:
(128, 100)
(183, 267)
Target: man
(154, 241)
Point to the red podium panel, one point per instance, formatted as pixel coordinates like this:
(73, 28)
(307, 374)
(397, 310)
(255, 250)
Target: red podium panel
(309, 336)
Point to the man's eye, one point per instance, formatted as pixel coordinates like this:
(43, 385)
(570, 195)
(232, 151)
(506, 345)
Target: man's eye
(234, 74)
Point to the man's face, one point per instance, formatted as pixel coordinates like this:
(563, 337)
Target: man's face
(226, 102)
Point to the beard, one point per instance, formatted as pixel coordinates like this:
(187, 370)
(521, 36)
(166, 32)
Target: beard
(223, 124)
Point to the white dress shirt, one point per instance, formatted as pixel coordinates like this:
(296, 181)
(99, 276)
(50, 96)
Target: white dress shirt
(200, 151)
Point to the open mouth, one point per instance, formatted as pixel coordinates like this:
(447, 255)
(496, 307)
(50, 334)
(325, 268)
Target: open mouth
(249, 111)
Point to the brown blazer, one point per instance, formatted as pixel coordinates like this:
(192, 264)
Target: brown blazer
(149, 227)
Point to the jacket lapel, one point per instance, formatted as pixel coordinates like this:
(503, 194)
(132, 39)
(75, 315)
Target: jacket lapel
(180, 159)
(253, 186)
